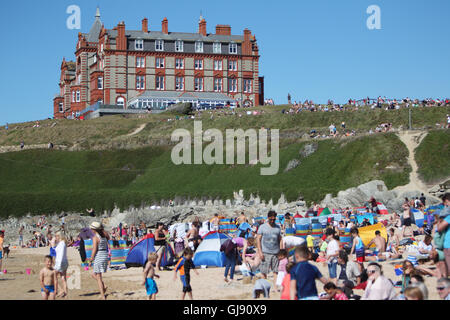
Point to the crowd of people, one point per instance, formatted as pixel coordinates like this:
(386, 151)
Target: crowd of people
(265, 249)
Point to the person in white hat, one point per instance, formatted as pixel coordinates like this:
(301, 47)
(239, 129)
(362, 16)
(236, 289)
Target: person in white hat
(100, 256)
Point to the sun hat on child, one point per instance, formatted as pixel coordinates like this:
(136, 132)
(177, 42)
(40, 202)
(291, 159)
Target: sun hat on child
(96, 226)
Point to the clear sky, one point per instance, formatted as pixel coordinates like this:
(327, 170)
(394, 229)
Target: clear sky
(312, 49)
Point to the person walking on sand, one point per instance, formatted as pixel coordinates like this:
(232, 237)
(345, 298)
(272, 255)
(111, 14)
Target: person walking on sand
(149, 274)
(268, 243)
(61, 262)
(99, 256)
(2, 236)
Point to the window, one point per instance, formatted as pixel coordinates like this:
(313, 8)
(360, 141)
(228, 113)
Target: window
(232, 65)
(159, 63)
(199, 46)
(159, 82)
(140, 82)
(61, 107)
(73, 96)
(247, 85)
(179, 63)
(179, 83)
(95, 58)
(139, 44)
(198, 84)
(159, 45)
(232, 85)
(179, 46)
(218, 85)
(218, 65)
(100, 83)
(217, 47)
(140, 62)
(198, 64)
(233, 48)
(78, 95)
(120, 101)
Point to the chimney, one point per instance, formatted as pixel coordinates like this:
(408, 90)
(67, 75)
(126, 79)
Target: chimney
(165, 26)
(223, 30)
(121, 39)
(202, 27)
(247, 45)
(145, 25)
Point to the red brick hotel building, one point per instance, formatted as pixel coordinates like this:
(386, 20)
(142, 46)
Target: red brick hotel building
(152, 69)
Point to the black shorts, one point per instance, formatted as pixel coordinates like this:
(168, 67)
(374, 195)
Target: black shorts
(407, 222)
(187, 288)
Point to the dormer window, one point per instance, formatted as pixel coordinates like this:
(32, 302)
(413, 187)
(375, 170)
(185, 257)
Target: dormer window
(199, 46)
(217, 47)
(233, 48)
(159, 45)
(139, 44)
(179, 46)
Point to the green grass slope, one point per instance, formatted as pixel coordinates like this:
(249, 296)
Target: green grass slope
(42, 181)
(433, 156)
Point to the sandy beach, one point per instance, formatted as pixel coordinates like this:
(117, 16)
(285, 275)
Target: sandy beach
(126, 284)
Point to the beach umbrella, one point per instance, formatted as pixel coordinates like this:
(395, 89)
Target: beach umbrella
(86, 233)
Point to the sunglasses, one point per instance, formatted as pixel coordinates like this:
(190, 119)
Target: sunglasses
(441, 288)
(371, 271)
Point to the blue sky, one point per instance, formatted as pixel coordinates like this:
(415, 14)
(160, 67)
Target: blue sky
(315, 49)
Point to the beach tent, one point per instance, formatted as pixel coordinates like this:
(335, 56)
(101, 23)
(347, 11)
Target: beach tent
(382, 209)
(138, 254)
(168, 258)
(367, 216)
(227, 226)
(324, 212)
(208, 252)
(368, 233)
(244, 228)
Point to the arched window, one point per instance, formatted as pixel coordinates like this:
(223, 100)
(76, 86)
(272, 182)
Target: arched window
(120, 101)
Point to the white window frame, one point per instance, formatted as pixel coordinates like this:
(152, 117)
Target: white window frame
(140, 82)
(159, 63)
(233, 48)
(218, 65)
(198, 64)
(139, 44)
(180, 65)
(140, 62)
(78, 96)
(217, 47)
(232, 65)
(159, 83)
(179, 86)
(179, 46)
(248, 86)
(100, 83)
(199, 46)
(198, 84)
(159, 45)
(73, 96)
(61, 107)
(232, 85)
(218, 84)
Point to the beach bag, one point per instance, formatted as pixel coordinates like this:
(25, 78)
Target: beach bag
(228, 247)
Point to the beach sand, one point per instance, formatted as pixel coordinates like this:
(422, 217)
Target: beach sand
(126, 284)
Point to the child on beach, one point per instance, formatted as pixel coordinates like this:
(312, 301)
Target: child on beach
(286, 284)
(333, 292)
(358, 246)
(149, 274)
(282, 262)
(185, 265)
(49, 281)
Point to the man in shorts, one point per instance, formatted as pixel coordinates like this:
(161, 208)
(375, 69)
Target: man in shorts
(268, 243)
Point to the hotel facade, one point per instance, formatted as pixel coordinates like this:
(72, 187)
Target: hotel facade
(144, 69)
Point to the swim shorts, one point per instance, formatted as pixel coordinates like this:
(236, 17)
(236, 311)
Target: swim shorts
(51, 289)
(186, 284)
(151, 287)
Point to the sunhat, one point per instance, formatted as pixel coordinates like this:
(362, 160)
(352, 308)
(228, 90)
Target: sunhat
(96, 226)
